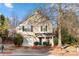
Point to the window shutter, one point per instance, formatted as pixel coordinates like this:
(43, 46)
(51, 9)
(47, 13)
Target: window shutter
(23, 28)
(46, 28)
(31, 28)
(41, 28)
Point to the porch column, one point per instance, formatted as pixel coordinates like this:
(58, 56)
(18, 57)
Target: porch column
(52, 41)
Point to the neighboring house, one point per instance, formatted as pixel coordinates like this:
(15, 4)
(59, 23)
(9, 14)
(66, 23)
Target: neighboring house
(36, 28)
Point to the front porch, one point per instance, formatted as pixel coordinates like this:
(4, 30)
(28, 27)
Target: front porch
(45, 39)
(38, 39)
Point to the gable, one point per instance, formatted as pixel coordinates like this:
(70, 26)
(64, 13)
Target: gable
(37, 19)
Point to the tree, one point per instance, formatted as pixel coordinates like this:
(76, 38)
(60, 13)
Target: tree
(69, 24)
(3, 28)
(18, 39)
(2, 20)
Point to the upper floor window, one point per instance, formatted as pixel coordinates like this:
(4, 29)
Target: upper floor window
(27, 28)
(43, 28)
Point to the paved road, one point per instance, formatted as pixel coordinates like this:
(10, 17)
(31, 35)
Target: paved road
(28, 52)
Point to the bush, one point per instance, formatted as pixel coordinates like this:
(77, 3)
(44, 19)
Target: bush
(36, 43)
(72, 40)
(18, 39)
(67, 38)
(45, 43)
(56, 41)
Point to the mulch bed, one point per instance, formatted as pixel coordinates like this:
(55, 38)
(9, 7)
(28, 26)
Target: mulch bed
(6, 52)
(48, 47)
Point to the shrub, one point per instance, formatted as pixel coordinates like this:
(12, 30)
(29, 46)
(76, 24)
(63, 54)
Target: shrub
(72, 40)
(18, 39)
(67, 38)
(56, 41)
(36, 43)
(45, 43)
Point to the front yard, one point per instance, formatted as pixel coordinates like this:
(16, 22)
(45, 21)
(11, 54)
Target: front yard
(40, 51)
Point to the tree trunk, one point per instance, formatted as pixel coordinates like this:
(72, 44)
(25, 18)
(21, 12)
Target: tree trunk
(59, 25)
(59, 38)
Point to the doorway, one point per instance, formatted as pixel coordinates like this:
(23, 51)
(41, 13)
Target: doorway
(40, 40)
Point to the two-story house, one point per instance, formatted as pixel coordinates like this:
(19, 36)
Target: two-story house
(36, 27)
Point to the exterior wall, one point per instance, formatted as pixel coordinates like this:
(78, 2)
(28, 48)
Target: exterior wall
(37, 26)
(37, 29)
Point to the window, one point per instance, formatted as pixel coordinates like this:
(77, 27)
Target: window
(43, 28)
(27, 28)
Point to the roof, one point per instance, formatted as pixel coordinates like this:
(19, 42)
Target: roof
(36, 18)
(44, 34)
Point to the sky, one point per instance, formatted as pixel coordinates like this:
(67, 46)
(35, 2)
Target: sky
(19, 9)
